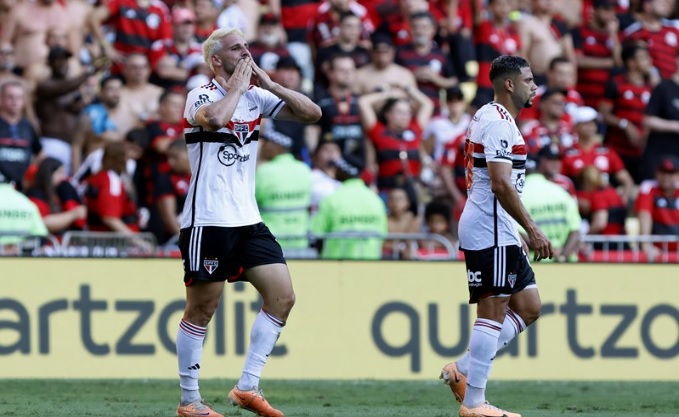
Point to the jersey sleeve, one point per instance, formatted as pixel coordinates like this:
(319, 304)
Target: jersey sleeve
(497, 141)
(197, 98)
(269, 103)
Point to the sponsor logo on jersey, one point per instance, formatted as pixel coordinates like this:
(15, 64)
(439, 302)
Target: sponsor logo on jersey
(202, 99)
(228, 155)
(474, 278)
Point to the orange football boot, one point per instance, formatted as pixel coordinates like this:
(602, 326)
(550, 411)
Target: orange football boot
(455, 380)
(197, 409)
(485, 410)
(253, 401)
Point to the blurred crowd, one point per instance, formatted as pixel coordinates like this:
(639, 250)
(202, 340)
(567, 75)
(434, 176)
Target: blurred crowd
(92, 95)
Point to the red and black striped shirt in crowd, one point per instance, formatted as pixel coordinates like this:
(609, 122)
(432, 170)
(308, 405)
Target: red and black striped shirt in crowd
(595, 43)
(492, 41)
(324, 26)
(629, 102)
(295, 17)
(609, 200)
(663, 44)
(397, 153)
(436, 59)
(136, 27)
(664, 209)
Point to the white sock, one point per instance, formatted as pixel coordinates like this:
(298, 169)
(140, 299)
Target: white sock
(482, 349)
(511, 327)
(263, 336)
(189, 352)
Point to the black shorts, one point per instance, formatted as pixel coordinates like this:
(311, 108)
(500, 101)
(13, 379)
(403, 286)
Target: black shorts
(211, 253)
(502, 270)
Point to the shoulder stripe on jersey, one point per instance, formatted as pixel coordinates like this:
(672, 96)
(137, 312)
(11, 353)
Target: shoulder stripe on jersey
(516, 164)
(218, 137)
(275, 109)
(503, 114)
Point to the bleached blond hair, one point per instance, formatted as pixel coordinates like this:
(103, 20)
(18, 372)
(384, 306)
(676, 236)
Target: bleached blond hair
(213, 44)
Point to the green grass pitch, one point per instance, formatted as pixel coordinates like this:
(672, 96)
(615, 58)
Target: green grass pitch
(134, 398)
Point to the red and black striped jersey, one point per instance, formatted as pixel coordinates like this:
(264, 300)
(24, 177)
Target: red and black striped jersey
(663, 44)
(295, 17)
(595, 43)
(136, 27)
(664, 209)
(492, 41)
(629, 102)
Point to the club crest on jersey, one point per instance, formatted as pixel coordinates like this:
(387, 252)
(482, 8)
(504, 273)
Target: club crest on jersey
(241, 131)
(210, 264)
(512, 279)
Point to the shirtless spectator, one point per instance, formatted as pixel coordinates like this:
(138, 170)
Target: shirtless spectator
(19, 143)
(59, 105)
(382, 73)
(399, 220)
(206, 19)
(430, 65)
(79, 13)
(9, 71)
(660, 35)
(544, 38)
(102, 126)
(139, 96)
(27, 27)
(173, 60)
(136, 24)
(347, 43)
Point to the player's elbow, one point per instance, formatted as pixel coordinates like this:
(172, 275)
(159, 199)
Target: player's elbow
(499, 186)
(312, 115)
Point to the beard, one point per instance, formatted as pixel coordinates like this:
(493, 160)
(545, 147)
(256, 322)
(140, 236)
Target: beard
(528, 103)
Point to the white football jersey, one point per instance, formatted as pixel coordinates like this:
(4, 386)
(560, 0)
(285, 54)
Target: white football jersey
(492, 136)
(223, 162)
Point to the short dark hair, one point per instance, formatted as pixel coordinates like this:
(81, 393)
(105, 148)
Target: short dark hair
(167, 93)
(558, 60)
(423, 15)
(506, 65)
(629, 51)
(346, 15)
(552, 91)
(108, 79)
(340, 55)
(436, 208)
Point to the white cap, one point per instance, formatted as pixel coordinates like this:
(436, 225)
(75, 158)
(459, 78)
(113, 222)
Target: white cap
(584, 114)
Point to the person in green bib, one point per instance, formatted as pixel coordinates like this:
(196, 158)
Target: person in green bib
(353, 208)
(554, 210)
(19, 217)
(283, 191)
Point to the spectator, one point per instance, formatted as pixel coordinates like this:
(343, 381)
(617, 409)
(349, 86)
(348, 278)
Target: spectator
(169, 193)
(283, 191)
(59, 106)
(206, 19)
(662, 118)
(347, 44)
(26, 28)
(560, 76)
(590, 151)
(296, 17)
(394, 18)
(137, 24)
(550, 128)
(494, 36)
(233, 16)
(659, 34)
(382, 73)
(444, 140)
(173, 60)
(623, 106)
(341, 121)
(9, 71)
(549, 164)
(109, 206)
(555, 212)
(430, 65)
(19, 217)
(543, 38)
(289, 75)
(597, 51)
(352, 208)
(139, 96)
(18, 141)
(56, 199)
(103, 128)
(437, 220)
(604, 208)
(269, 47)
(657, 206)
(324, 173)
(324, 27)
(400, 219)
(397, 137)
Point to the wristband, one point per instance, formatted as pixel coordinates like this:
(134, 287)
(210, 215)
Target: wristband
(623, 123)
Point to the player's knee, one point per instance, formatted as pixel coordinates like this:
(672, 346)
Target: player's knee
(531, 314)
(199, 314)
(288, 301)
